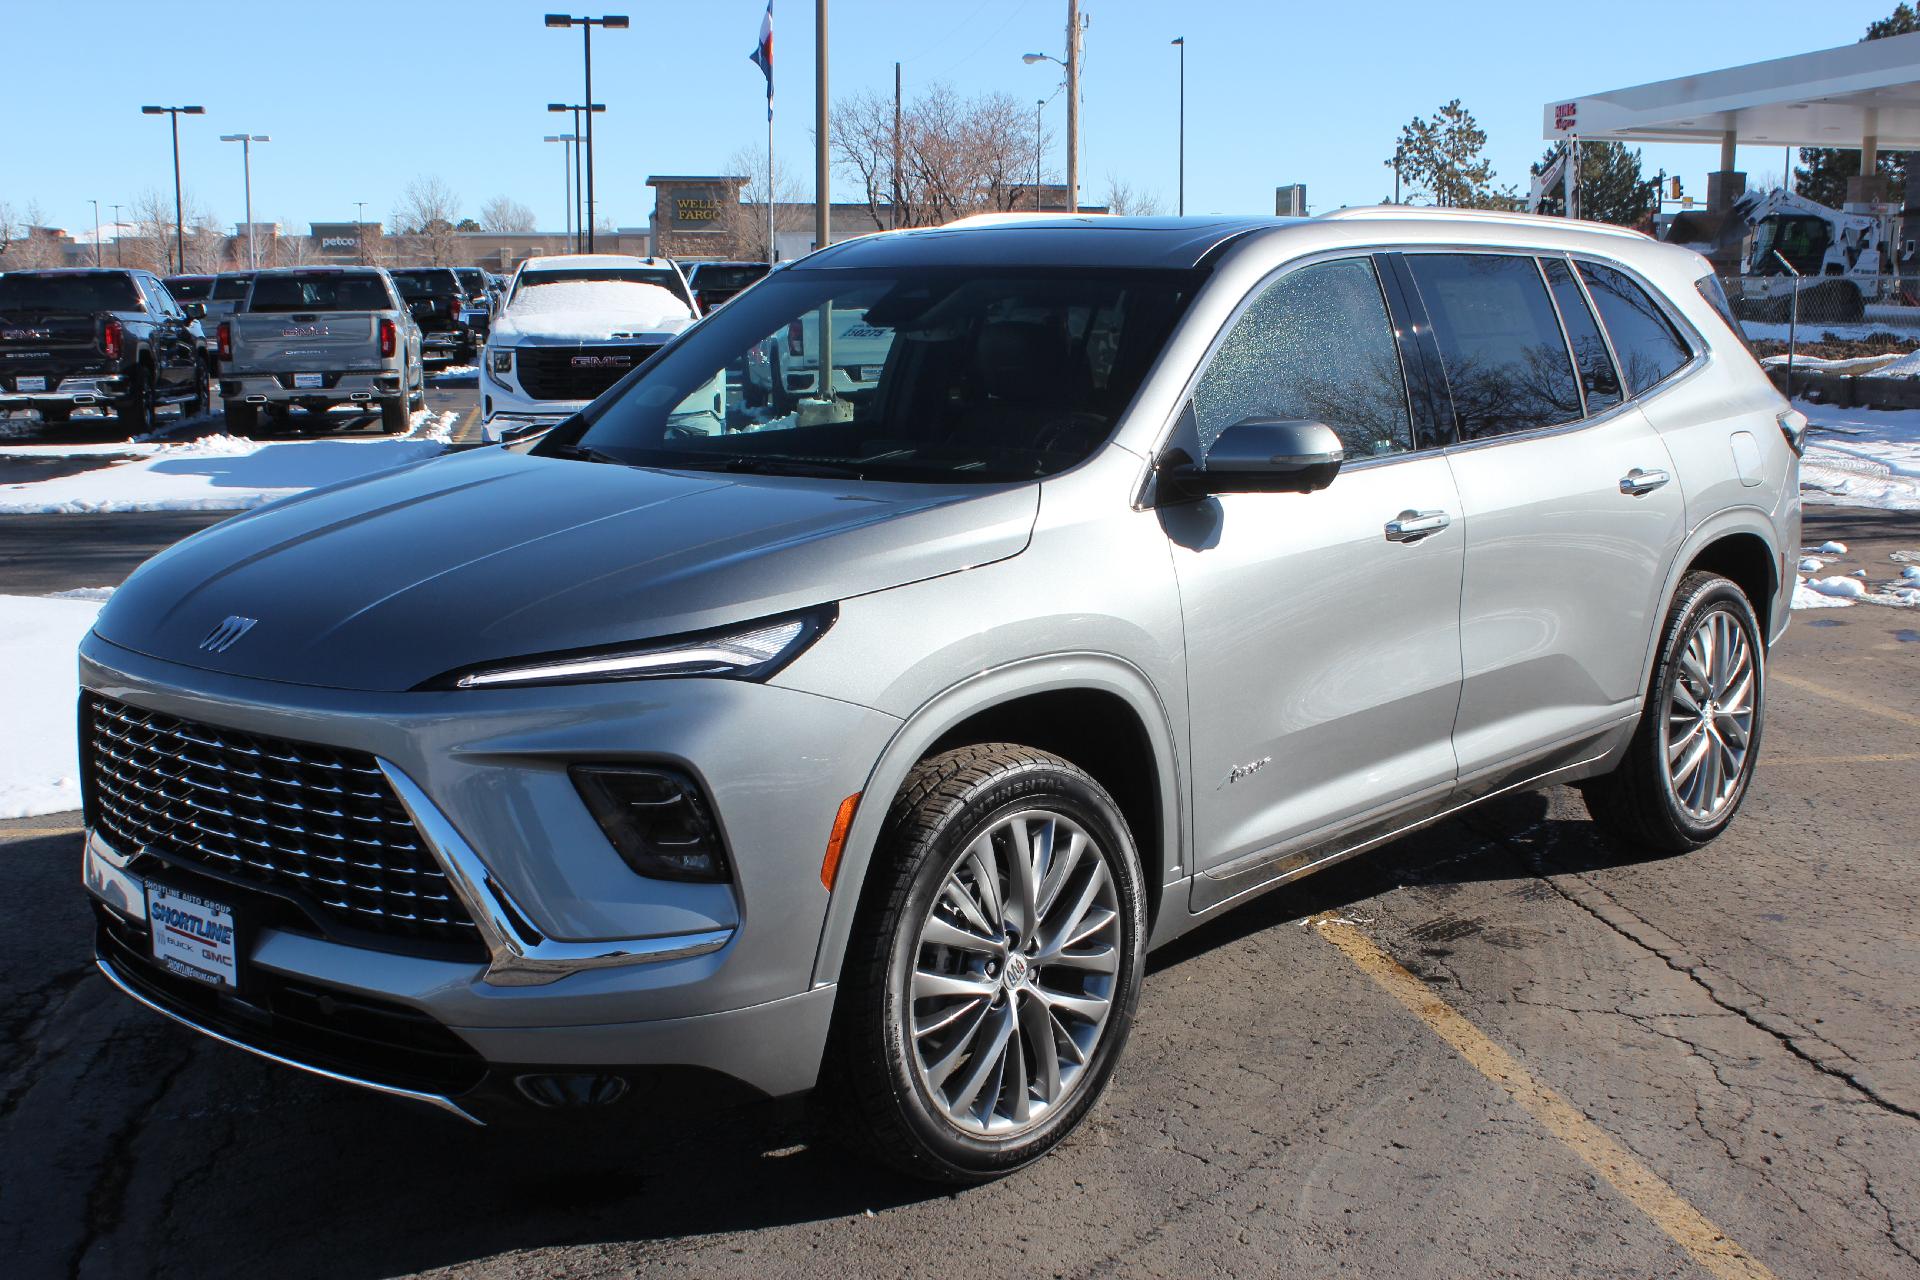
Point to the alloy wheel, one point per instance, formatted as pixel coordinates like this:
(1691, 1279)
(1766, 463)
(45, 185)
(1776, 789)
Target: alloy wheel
(1015, 967)
(1709, 720)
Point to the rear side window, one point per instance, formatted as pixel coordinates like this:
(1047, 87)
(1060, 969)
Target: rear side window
(1597, 376)
(1506, 361)
(1317, 344)
(1649, 347)
(231, 288)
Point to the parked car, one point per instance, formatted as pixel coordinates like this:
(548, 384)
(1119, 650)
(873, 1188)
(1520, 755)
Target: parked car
(478, 315)
(573, 326)
(318, 338)
(189, 288)
(870, 748)
(98, 336)
(714, 283)
(441, 308)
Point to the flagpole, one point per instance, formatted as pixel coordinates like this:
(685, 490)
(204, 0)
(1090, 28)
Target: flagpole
(772, 255)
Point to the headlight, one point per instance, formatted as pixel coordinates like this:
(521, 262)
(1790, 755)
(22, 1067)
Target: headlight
(500, 360)
(751, 652)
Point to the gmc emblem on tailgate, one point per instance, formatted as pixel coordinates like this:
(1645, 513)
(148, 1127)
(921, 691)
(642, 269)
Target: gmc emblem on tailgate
(25, 335)
(596, 362)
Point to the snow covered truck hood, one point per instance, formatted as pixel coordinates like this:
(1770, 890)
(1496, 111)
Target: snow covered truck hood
(590, 311)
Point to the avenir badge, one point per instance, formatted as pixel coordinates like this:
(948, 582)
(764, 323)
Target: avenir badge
(228, 633)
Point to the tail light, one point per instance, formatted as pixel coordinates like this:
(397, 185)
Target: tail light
(113, 339)
(389, 337)
(223, 341)
(794, 338)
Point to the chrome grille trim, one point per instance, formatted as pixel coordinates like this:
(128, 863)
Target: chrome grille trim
(322, 822)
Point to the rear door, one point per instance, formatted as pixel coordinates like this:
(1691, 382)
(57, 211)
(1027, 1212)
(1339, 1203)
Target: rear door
(175, 355)
(1571, 518)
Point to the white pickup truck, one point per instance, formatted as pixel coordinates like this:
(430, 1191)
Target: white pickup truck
(573, 326)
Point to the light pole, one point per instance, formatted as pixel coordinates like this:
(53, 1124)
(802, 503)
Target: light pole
(582, 230)
(246, 141)
(612, 22)
(1039, 105)
(96, 231)
(1182, 42)
(360, 229)
(116, 235)
(179, 232)
(566, 177)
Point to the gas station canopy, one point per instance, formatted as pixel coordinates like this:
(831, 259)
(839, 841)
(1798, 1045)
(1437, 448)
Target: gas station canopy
(1864, 95)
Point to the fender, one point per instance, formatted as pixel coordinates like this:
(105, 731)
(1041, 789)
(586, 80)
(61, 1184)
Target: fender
(1047, 673)
(1722, 523)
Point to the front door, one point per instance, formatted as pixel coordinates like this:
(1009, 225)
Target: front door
(1322, 630)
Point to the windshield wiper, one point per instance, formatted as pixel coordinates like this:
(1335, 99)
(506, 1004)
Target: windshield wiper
(585, 453)
(767, 464)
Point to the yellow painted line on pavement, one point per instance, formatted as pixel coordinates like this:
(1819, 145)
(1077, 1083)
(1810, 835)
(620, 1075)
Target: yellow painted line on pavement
(1889, 757)
(1671, 1212)
(466, 431)
(1846, 698)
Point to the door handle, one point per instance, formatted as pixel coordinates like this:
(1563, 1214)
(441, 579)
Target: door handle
(1637, 482)
(1411, 526)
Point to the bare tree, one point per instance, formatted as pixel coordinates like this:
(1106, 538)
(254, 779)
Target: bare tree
(1124, 200)
(745, 221)
(503, 213)
(957, 155)
(428, 213)
(26, 243)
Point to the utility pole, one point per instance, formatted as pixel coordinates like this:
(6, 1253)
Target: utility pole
(1039, 105)
(1073, 106)
(896, 144)
(96, 231)
(822, 192)
(1182, 42)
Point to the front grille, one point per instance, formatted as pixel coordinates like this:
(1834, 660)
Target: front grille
(575, 373)
(318, 825)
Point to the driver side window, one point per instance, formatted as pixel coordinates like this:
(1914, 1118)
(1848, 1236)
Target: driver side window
(1316, 344)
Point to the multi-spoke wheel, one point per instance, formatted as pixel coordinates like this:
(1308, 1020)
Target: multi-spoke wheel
(995, 965)
(1690, 760)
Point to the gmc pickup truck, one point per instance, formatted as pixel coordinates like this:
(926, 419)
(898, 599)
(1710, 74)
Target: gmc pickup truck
(441, 308)
(318, 337)
(104, 337)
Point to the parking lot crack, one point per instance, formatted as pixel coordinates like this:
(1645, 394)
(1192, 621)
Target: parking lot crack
(106, 1199)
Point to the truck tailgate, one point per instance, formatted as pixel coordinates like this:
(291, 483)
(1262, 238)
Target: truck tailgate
(323, 342)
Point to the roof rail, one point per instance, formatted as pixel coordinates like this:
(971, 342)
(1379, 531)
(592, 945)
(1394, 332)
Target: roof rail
(1382, 212)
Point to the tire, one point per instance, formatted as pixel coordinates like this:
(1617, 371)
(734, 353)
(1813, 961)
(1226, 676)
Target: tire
(243, 419)
(202, 401)
(393, 415)
(1676, 809)
(924, 1082)
(137, 413)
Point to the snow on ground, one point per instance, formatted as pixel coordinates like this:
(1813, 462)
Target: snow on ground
(454, 372)
(218, 472)
(38, 765)
(1862, 457)
(1810, 331)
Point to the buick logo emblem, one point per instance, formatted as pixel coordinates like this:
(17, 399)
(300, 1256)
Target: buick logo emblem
(227, 634)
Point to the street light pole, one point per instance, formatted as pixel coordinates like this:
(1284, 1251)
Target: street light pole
(116, 235)
(1073, 106)
(96, 231)
(582, 233)
(1182, 42)
(179, 231)
(360, 229)
(1039, 105)
(566, 178)
(612, 22)
(246, 141)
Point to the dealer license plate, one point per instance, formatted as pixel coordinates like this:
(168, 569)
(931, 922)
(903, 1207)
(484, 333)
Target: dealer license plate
(192, 936)
(871, 372)
(309, 380)
(31, 384)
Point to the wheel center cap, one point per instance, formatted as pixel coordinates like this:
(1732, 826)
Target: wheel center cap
(1016, 971)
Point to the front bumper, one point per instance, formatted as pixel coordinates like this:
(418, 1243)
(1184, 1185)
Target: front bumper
(360, 386)
(588, 963)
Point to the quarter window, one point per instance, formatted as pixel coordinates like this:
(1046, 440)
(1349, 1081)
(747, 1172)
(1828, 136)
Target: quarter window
(1318, 345)
(1500, 341)
(1649, 347)
(1597, 376)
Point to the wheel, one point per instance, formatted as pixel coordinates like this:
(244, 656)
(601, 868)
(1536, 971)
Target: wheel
(243, 419)
(137, 412)
(202, 394)
(393, 415)
(1688, 765)
(994, 970)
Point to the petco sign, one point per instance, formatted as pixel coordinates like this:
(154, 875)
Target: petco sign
(348, 243)
(1566, 116)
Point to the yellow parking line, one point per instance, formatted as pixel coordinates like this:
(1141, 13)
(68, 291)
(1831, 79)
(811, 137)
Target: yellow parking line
(1775, 762)
(1846, 698)
(1686, 1225)
(466, 431)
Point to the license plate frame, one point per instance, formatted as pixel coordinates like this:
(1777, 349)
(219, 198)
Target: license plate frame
(24, 383)
(193, 936)
(309, 381)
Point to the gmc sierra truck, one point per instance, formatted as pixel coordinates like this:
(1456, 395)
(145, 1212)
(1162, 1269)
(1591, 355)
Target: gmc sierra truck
(103, 337)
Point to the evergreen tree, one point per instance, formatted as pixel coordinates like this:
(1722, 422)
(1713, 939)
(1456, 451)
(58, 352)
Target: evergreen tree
(1823, 178)
(1612, 188)
(1442, 159)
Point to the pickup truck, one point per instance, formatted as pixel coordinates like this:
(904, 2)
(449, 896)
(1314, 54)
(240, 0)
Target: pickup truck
(318, 337)
(440, 306)
(98, 336)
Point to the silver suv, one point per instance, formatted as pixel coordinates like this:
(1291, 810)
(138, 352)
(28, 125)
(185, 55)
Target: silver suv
(867, 741)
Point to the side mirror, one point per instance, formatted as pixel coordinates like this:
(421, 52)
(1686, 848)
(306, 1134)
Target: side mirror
(194, 310)
(1260, 455)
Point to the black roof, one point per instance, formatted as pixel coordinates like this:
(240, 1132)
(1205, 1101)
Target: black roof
(1042, 240)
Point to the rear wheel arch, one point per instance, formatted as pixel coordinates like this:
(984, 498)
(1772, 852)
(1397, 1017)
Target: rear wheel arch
(1748, 561)
(1101, 694)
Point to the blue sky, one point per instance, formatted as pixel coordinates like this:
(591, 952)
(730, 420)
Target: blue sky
(362, 96)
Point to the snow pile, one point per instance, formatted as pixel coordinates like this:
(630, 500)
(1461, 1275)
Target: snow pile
(39, 682)
(1805, 597)
(225, 473)
(1845, 588)
(591, 311)
(1861, 458)
(1831, 548)
(1891, 364)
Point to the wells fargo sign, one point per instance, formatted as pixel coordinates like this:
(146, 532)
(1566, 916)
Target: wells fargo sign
(695, 210)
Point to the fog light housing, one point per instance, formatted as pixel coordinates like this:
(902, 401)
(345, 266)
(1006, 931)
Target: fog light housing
(656, 819)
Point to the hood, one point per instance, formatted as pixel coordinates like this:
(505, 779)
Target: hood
(382, 583)
(592, 310)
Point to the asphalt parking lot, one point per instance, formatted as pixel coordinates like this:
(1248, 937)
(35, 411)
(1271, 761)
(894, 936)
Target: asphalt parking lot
(1500, 1046)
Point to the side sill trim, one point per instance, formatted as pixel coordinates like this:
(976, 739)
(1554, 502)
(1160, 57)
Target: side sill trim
(431, 1099)
(520, 955)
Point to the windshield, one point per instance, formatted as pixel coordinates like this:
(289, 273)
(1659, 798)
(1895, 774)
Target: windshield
(940, 375)
(721, 278)
(231, 288)
(424, 284)
(660, 277)
(190, 288)
(21, 291)
(329, 291)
